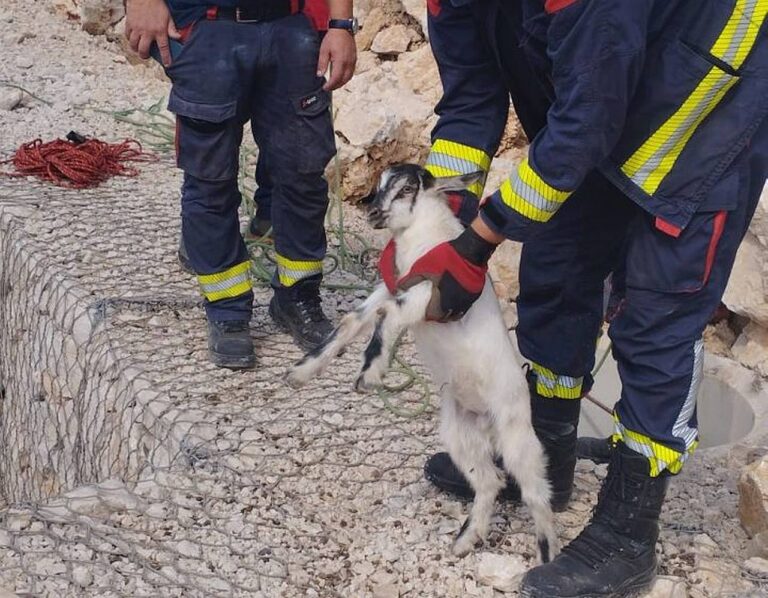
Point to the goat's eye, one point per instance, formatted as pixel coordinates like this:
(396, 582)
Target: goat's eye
(407, 189)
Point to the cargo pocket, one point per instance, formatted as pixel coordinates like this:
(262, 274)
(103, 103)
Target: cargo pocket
(316, 137)
(659, 261)
(207, 138)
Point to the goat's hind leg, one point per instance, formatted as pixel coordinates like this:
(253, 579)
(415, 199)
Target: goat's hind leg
(524, 460)
(394, 316)
(349, 328)
(467, 438)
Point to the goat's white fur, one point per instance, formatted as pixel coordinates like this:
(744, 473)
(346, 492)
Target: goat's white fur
(485, 399)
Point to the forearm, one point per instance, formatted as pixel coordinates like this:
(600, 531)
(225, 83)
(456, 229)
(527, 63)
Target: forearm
(340, 9)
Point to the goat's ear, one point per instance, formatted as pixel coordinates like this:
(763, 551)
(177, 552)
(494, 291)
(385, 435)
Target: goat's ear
(457, 183)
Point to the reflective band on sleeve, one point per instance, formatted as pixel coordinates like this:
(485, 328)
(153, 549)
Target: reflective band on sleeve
(230, 283)
(659, 456)
(550, 385)
(654, 160)
(528, 194)
(292, 271)
(448, 158)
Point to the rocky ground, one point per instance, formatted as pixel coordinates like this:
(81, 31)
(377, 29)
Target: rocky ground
(262, 490)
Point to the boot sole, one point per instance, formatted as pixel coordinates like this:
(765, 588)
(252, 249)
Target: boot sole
(285, 326)
(638, 587)
(232, 363)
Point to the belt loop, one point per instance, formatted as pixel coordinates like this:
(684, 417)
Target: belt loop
(212, 13)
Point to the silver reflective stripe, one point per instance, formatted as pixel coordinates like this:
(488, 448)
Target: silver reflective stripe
(452, 163)
(298, 274)
(682, 428)
(650, 166)
(741, 31)
(532, 196)
(223, 285)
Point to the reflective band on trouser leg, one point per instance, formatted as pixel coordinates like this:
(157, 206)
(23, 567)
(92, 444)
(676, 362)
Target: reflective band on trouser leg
(448, 158)
(660, 456)
(292, 271)
(230, 283)
(528, 194)
(649, 165)
(550, 385)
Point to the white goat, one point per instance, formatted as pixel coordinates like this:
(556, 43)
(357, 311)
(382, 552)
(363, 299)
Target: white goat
(485, 401)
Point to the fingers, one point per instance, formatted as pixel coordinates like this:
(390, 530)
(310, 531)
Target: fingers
(334, 81)
(323, 60)
(165, 50)
(133, 40)
(173, 33)
(145, 42)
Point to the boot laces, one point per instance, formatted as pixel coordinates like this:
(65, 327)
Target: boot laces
(593, 548)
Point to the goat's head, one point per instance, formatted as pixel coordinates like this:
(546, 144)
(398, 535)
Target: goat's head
(402, 186)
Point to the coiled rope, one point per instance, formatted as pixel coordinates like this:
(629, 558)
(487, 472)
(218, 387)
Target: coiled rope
(76, 162)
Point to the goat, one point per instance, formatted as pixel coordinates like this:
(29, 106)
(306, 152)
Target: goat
(485, 409)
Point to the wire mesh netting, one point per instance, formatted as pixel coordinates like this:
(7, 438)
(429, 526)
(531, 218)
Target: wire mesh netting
(133, 467)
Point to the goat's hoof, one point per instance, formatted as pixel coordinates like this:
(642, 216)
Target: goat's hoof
(467, 540)
(294, 380)
(465, 544)
(361, 386)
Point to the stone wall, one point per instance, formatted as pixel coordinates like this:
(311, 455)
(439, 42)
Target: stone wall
(70, 411)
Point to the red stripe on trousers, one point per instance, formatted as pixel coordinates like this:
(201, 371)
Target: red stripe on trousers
(552, 6)
(717, 233)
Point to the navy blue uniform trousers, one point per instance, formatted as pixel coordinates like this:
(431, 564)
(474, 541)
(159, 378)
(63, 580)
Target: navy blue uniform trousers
(671, 286)
(227, 74)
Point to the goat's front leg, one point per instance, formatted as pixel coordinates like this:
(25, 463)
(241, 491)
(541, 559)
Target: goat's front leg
(467, 437)
(349, 328)
(394, 316)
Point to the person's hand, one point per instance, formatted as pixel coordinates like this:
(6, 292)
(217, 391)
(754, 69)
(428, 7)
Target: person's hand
(148, 21)
(338, 49)
(457, 270)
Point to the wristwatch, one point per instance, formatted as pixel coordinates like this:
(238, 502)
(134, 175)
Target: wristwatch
(350, 25)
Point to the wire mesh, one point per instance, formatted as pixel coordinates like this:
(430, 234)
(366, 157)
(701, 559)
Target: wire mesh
(133, 467)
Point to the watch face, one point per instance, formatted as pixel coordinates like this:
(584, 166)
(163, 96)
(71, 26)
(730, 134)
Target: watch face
(354, 26)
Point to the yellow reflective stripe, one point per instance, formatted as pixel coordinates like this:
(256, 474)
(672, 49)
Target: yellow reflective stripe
(463, 152)
(233, 282)
(654, 160)
(659, 456)
(292, 271)
(530, 195)
(740, 33)
(448, 158)
(529, 177)
(550, 385)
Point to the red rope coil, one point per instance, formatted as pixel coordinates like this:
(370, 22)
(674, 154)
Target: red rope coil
(79, 166)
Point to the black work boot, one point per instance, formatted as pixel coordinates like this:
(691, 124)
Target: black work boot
(615, 555)
(230, 344)
(258, 228)
(554, 421)
(298, 311)
(183, 257)
(597, 450)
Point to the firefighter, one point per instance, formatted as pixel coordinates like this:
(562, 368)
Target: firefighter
(649, 151)
(264, 62)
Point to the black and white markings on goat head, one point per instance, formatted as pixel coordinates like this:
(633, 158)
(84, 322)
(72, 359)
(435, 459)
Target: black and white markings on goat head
(401, 182)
